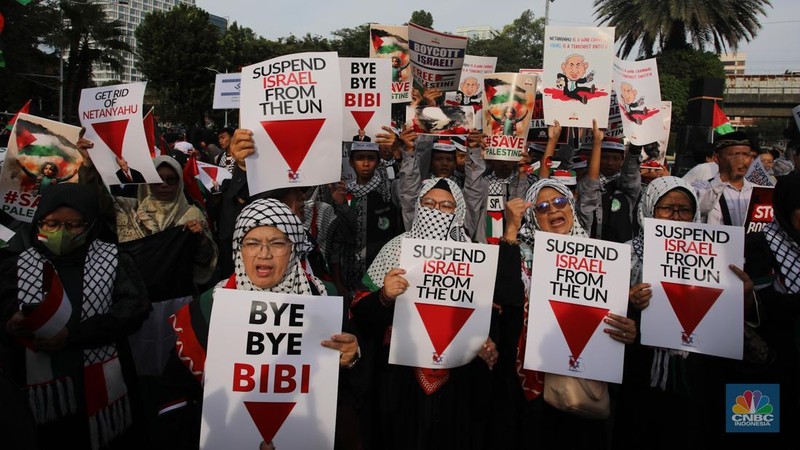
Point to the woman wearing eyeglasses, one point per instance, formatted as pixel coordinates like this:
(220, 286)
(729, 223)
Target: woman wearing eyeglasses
(548, 206)
(414, 407)
(659, 383)
(68, 306)
(265, 253)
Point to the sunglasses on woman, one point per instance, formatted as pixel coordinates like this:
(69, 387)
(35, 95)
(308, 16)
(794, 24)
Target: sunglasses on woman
(544, 207)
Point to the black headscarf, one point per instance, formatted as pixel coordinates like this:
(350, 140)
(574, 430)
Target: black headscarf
(79, 197)
(785, 200)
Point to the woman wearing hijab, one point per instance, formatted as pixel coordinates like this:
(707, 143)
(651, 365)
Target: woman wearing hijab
(415, 407)
(70, 308)
(523, 415)
(659, 383)
(265, 254)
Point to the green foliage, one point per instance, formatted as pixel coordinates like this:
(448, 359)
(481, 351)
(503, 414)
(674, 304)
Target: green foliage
(422, 18)
(352, 42)
(240, 47)
(675, 24)
(773, 129)
(174, 50)
(519, 46)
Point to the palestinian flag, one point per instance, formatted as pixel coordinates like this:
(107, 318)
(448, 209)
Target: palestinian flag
(35, 140)
(720, 122)
(500, 91)
(209, 173)
(150, 134)
(24, 110)
(384, 42)
(190, 173)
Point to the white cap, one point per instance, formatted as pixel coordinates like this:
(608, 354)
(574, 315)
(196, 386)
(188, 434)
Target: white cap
(183, 146)
(364, 146)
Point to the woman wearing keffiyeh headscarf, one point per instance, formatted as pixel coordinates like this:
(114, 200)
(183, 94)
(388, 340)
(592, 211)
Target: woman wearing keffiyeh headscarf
(414, 407)
(69, 310)
(266, 245)
(658, 382)
(549, 206)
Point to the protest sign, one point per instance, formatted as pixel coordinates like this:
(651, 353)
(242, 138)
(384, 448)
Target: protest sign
(211, 175)
(391, 41)
(639, 100)
(470, 86)
(443, 319)
(436, 58)
(267, 378)
(366, 90)
(697, 303)
(227, 90)
(40, 153)
(759, 210)
(348, 174)
(576, 282)
(113, 119)
(507, 109)
(445, 119)
(293, 104)
(577, 75)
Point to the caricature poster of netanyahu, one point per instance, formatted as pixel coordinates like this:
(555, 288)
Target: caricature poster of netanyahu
(267, 378)
(113, 118)
(293, 105)
(577, 75)
(639, 100)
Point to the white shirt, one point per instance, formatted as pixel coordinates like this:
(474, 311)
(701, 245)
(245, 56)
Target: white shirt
(737, 201)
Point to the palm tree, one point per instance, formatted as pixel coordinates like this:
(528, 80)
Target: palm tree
(90, 39)
(675, 24)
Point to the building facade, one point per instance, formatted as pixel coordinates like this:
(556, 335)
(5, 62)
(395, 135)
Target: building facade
(734, 63)
(481, 32)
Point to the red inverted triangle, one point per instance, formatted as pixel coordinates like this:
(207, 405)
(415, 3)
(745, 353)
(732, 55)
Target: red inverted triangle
(690, 303)
(112, 133)
(442, 323)
(362, 118)
(293, 138)
(269, 416)
(211, 171)
(578, 323)
(24, 138)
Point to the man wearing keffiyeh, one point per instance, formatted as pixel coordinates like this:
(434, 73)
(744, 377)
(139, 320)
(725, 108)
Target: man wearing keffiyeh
(70, 308)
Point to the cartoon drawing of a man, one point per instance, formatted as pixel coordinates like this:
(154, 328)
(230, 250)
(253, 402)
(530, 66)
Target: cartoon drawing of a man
(629, 103)
(573, 69)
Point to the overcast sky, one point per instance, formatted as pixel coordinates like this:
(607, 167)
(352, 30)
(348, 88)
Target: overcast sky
(774, 50)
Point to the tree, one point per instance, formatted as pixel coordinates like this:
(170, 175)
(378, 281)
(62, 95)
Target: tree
(175, 50)
(352, 42)
(520, 44)
(240, 47)
(771, 129)
(674, 24)
(90, 39)
(422, 18)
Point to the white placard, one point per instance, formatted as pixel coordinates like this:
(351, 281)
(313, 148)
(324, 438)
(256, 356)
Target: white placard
(443, 319)
(470, 86)
(639, 100)
(508, 106)
(293, 105)
(577, 75)
(367, 96)
(697, 303)
(267, 378)
(113, 119)
(227, 90)
(436, 58)
(576, 282)
(391, 42)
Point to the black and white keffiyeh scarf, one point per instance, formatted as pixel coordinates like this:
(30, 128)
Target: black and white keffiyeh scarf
(50, 385)
(271, 212)
(782, 237)
(499, 186)
(528, 229)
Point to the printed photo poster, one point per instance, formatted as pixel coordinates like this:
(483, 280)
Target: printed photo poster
(577, 75)
(441, 119)
(113, 119)
(576, 283)
(697, 300)
(40, 153)
(211, 175)
(443, 319)
(508, 104)
(759, 210)
(470, 86)
(436, 58)
(267, 378)
(367, 97)
(391, 42)
(639, 99)
(614, 128)
(348, 174)
(227, 90)
(293, 104)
